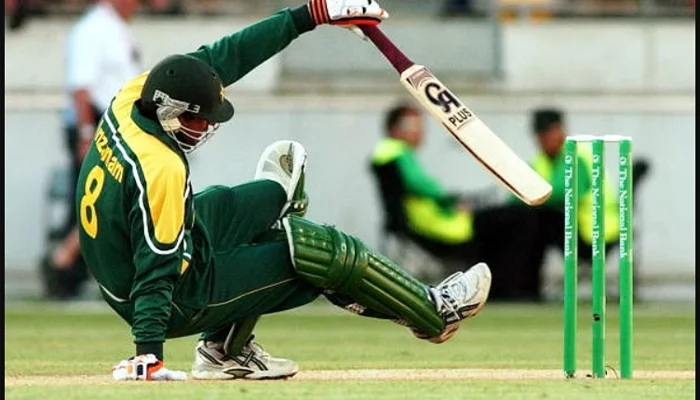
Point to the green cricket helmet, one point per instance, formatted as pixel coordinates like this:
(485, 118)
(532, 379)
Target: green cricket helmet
(182, 84)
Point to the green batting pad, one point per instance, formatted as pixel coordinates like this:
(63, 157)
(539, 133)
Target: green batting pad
(333, 260)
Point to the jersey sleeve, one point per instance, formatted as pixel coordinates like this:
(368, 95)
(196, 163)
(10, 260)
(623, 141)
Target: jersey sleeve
(235, 55)
(157, 230)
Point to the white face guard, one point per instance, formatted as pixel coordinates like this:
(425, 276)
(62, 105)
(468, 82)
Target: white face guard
(169, 110)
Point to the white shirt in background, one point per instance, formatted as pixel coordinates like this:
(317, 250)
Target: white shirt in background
(102, 55)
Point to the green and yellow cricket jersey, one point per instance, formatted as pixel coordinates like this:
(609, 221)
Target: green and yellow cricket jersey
(430, 210)
(553, 169)
(138, 233)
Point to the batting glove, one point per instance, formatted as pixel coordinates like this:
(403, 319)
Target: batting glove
(145, 368)
(347, 13)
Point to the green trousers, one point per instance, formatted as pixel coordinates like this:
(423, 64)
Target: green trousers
(247, 276)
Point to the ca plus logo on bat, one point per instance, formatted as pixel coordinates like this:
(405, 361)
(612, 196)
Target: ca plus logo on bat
(442, 97)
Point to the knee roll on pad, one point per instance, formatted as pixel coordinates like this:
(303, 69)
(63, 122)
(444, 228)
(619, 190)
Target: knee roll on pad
(284, 162)
(333, 260)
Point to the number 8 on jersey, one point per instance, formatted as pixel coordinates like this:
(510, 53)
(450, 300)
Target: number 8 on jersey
(93, 186)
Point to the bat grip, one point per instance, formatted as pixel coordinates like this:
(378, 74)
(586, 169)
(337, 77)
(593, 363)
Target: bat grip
(390, 51)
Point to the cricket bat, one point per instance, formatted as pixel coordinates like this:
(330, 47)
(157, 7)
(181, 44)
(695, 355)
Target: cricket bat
(472, 133)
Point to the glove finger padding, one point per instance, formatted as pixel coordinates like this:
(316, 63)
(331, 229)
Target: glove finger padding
(145, 368)
(347, 12)
(164, 374)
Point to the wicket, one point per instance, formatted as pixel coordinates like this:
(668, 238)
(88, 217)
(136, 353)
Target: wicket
(598, 249)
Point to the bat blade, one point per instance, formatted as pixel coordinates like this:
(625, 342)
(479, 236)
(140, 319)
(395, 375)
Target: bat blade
(475, 136)
(472, 133)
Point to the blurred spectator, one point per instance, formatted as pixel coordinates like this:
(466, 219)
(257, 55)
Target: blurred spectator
(17, 12)
(550, 135)
(459, 8)
(548, 128)
(102, 55)
(211, 7)
(417, 207)
(165, 7)
(14, 13)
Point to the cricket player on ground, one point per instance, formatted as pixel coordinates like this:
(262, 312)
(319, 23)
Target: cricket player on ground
(174, 263)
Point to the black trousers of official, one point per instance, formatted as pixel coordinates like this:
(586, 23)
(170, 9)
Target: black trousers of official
(507, 239)
(537, 230)
(67, 283)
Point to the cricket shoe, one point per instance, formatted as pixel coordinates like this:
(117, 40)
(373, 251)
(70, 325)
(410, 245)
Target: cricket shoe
(212, 363)
(462, 295)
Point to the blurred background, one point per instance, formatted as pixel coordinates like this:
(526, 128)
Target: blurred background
(613, 66)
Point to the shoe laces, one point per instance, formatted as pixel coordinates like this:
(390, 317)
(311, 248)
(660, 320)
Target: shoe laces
(455, 291)
(450, 294)
(442, 304)
(250, 347)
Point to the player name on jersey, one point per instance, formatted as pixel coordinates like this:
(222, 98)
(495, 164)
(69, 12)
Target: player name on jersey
(115, 168)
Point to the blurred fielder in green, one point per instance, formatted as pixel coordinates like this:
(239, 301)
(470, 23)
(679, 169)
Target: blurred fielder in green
(174, 263)
(549, 129)
(448, 224)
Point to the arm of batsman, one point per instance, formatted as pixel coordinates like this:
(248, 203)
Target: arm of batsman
(347, 13)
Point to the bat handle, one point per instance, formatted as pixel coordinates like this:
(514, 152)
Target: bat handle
(390, 51)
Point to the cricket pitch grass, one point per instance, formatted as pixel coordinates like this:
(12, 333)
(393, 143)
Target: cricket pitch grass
(507, 352)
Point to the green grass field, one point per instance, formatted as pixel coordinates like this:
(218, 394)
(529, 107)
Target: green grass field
(507, 352)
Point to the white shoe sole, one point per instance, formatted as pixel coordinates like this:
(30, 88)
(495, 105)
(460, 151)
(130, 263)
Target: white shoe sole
(261, 375)
(218, 375)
